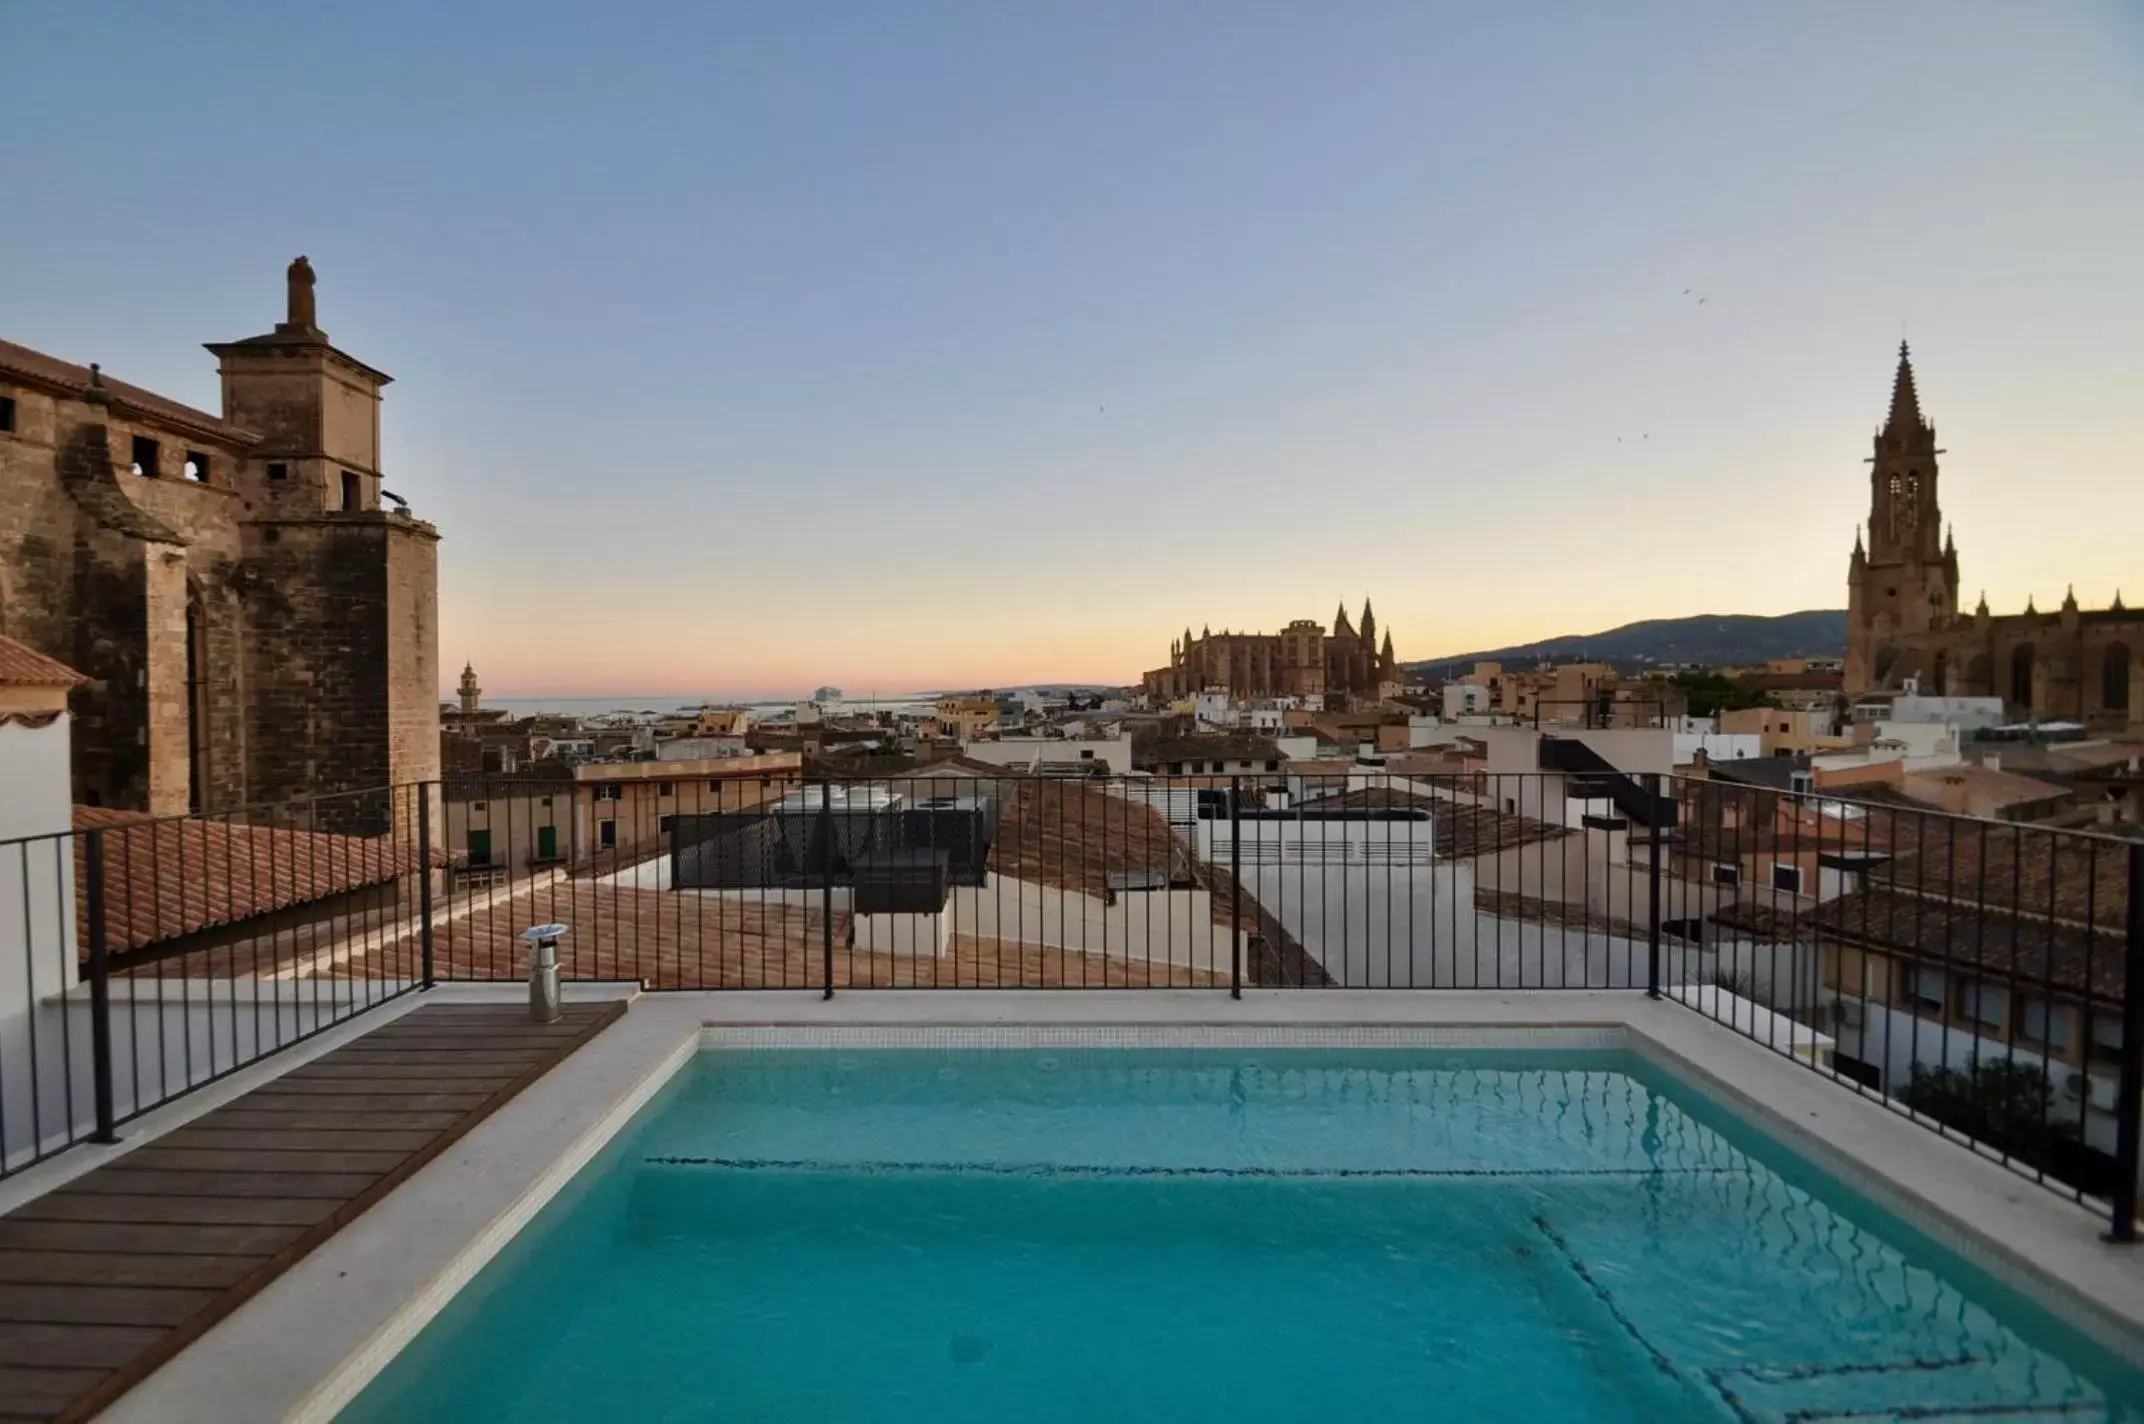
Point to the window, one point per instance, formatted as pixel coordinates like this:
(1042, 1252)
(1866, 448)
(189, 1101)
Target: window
(1787, 877)
(544, 801)
(2047, 1023)
(1801, 780)
(197, 467)
(606, 791)
(2021, 675)
(7, 413)
(478, 805)
(1727, 875)
(715, 786)
(666, 788)
(1986, 1005)
(144, 456)
(1925, 989)
(2114, 678)
(666, 824)
(277, 470)
(607, 832)
(1086, 755)
(480, 848)
(2107, 1038)
(353, 492)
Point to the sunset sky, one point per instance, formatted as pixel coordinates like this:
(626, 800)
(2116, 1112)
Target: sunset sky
(743, 348)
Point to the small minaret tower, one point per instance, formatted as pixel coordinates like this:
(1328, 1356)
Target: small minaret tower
(472, 696)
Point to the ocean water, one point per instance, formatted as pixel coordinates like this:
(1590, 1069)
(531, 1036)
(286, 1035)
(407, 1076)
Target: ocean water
(1228, 1235)
(672, 704)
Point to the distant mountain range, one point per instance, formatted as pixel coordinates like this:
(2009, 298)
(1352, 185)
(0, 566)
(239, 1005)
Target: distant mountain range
(1720, 639)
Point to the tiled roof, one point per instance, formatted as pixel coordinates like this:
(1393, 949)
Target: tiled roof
(1970, 893)
(1930, 787)
(74, 380)
(24, 666)
(172, 877)
(1163, 751)
(1073, 837)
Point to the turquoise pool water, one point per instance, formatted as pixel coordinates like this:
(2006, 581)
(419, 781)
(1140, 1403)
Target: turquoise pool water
(1237, 1235)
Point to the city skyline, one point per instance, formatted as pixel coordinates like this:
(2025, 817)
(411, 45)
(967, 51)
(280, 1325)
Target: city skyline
(877, 351)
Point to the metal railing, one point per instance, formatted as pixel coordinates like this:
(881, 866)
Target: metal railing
(142, 957)
(1982, 977)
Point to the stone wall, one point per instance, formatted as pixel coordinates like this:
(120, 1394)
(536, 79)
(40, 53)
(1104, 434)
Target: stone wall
(341, 620)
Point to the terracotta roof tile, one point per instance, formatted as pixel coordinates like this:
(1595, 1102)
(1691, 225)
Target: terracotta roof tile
(172, 877)
(23, 666)
(74, 380)
(1072, 837)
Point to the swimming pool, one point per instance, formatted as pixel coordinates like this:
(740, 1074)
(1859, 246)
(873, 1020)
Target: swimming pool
(1224, 1233)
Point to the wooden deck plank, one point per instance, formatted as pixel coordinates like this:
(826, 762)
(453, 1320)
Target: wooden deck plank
(359, 1087)
(483, 1070)
(117, 1209)
(199, 1159)
(104, 1305)
(74, 1345)
(110, 1275)
(390, 1135)
(159, 1238)
(334, 1186)
(341, 1116)
(122, 1268)
(29, 1392)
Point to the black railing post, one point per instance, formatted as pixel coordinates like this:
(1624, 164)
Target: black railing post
(2129, 1092)
(826, 886)
(1652, 884)
(1235, 889)
(100, 994)
(424, 877)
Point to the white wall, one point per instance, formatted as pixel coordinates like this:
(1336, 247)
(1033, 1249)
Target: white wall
(1025, 752)
(1430, 732)
(1463, 698)
(1967, 712)
(1894, 1039)
(1159, 926)
(39, 956)
(1719, 746)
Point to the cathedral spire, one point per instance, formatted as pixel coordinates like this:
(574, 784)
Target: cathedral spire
(1905, 400)
(1341, 627)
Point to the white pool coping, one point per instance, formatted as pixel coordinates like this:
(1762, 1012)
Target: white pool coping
(308, 1343)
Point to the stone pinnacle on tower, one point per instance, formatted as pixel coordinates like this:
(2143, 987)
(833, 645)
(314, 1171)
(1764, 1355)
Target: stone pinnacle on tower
(1905, 400)
(300, 317)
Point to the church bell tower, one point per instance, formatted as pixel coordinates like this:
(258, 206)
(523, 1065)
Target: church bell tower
(1906, 579)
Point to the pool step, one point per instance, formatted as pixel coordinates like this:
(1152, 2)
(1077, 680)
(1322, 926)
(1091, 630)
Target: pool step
(1950, 1391)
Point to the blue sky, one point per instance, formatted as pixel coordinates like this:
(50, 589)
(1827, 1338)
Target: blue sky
(743, 348)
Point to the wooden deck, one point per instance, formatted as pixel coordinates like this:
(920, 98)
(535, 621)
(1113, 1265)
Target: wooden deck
(112, 1274)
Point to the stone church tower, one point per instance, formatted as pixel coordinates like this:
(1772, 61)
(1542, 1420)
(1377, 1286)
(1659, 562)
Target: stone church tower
(254, 625)
(1905, 581)
(1903, 625)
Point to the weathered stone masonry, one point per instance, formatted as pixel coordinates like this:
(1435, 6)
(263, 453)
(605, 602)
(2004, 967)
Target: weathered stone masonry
(256, 627)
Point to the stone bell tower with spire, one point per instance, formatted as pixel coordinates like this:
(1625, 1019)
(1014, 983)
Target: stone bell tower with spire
(1904, 581)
